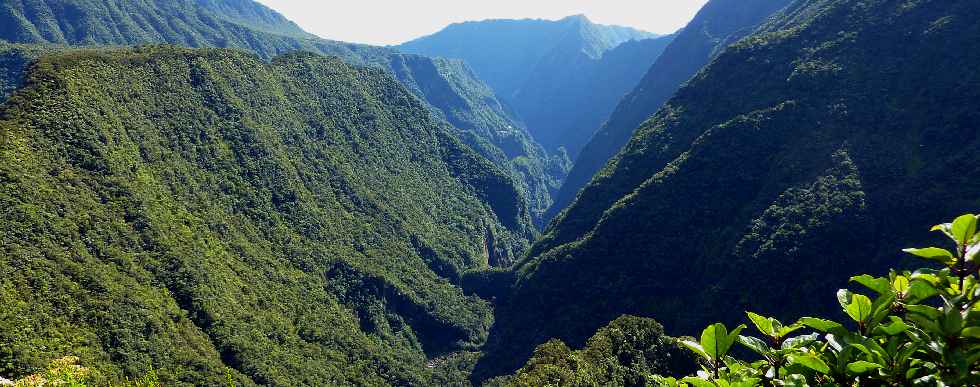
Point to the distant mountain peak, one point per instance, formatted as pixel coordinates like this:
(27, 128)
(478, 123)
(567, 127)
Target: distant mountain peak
(577, 17)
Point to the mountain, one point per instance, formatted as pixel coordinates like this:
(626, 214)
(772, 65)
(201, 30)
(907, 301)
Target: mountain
(486, 124)
(449, 87)
(555, 73)
(227, 23)
(718, 24)
(815, 148)
(569, 93)
(504, 52)
(301, 222)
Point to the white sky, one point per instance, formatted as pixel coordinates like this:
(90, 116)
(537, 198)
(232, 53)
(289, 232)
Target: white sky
(385, 22)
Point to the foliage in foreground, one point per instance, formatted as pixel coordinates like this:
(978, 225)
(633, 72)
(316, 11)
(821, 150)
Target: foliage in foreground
(920, 328)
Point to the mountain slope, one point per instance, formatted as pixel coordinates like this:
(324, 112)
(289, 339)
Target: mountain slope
(484, 123)
(451, 89)
(718, 24)
(569, 93)
(817, 147)
(228, 23)
(550, 70)
(302, 222)
(508, 50)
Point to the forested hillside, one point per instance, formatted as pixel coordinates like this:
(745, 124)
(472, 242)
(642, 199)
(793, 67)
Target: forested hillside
(301, 222)
(826, 138)
(450, 89)
(484, 123)
(563, 77)
(569, 93)
(718, 24)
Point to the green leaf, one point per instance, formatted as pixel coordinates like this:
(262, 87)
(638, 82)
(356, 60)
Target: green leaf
(895, 327)
(900, 284)
(952, 321)
(795, 380)
(763, 324)
(755, 344)
(785, 331)
(963, 228)
(971, 332)
(858, 307)
(861, 366)
(810, 361)
(696, 348)
(799, 341)
(746, 382)
(716, 340)
(971, 252)
(697, 382)
(934, 254)
(920, 290)
(879, 285)
(946, 228)
(927, 311)
(820, 324)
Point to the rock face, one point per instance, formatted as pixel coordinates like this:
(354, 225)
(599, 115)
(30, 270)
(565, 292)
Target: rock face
(718, 24)
(815, 148)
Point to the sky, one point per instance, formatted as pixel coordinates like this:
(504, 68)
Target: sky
(384, 22)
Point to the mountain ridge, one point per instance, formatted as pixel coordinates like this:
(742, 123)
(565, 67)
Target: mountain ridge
(712, 28)
(245, 214)
(245, 24)
(547, 69)
(836, 117)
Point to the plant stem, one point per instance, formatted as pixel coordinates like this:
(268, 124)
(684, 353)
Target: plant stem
(961, 267)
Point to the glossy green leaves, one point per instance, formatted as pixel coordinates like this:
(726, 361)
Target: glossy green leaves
(919, 328)
(715, 342)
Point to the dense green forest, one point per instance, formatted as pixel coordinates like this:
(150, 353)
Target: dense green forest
(563, 77)
(844, 126)
(302, 222)
(718, 24)
(449, 88)
(199, 192)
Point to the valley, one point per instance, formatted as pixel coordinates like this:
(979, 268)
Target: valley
(203, 193)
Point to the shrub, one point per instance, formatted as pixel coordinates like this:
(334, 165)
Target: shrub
(919, 327)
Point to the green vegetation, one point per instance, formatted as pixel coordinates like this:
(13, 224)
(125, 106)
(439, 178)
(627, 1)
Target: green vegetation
(301, 222)
(812, 149)
(921, 328)
(205, 216)
(66, 372)
(448, 87)
(486, 124)
(718, 24)
(627, 352)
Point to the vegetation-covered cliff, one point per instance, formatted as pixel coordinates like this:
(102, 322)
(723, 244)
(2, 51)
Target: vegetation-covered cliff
(828, 137)
(300, 222)
(718, 24)
(449, 88)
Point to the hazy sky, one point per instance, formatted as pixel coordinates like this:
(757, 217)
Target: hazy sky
(395, 21)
